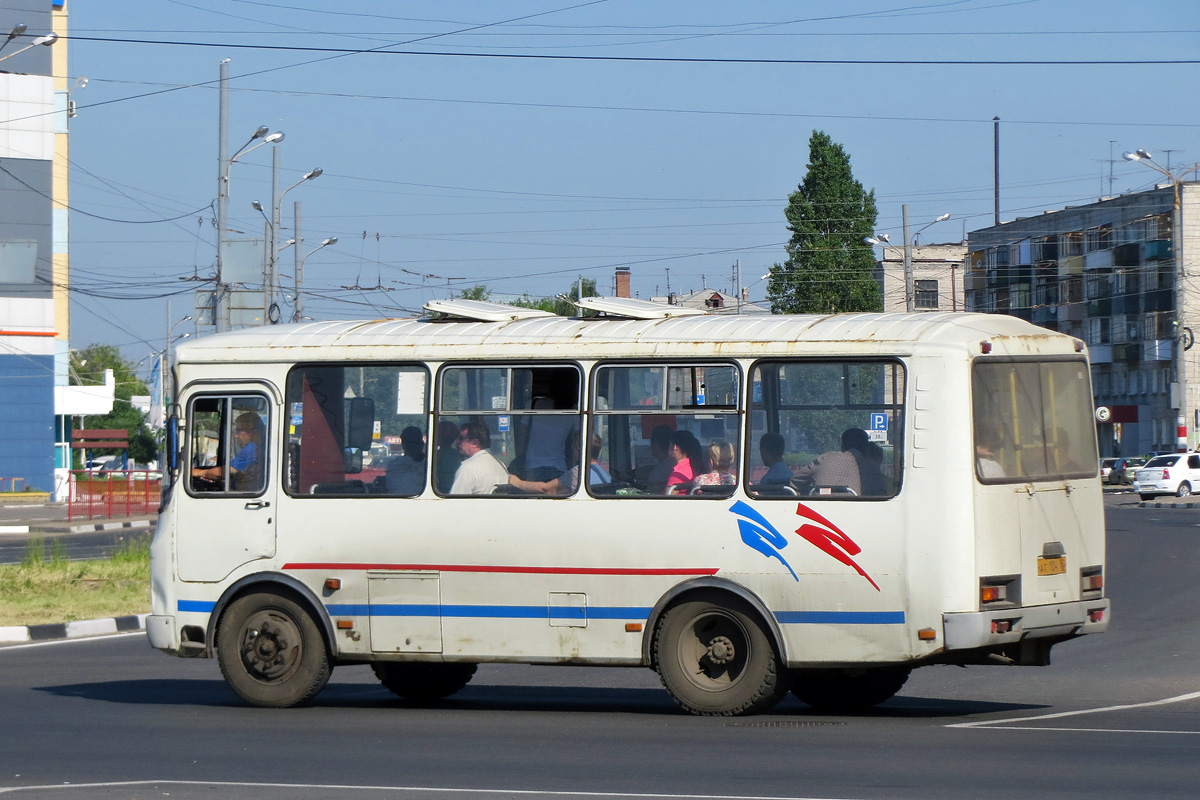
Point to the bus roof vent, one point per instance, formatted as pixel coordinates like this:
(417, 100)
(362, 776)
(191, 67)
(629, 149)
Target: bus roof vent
(628, 308)
(480, 311)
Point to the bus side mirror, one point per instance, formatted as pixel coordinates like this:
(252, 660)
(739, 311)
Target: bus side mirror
(171, 445)
(361, 424)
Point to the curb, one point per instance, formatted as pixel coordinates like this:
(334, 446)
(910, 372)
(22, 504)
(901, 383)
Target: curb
(72, 630)
(111, 526)
(1153, 504)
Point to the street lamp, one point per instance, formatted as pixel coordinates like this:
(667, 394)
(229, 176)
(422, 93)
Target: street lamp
(909, 295)
(272, 277)
(298, 312)
(1176, 178)
(260, 137)
(48, 39)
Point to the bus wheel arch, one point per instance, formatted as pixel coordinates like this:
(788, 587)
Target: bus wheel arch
(276, 582)
(680, 592)
(271, 649)
(715, 655)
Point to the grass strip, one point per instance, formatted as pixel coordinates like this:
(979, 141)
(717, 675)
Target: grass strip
(48, 589)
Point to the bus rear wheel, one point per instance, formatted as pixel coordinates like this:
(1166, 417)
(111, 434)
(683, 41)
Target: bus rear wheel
(423, 682)
(840, 690)
(716, 659)
(271, 651)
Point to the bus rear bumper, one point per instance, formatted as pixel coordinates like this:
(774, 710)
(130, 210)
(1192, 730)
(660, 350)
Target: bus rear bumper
(997, 628)
(162, 632)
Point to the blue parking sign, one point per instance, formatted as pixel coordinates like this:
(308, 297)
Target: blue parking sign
(879, 421)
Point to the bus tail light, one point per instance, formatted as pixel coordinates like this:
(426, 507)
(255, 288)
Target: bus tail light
(1001, 625)
(1003, 591)
(1091, 582)
(1096, 615)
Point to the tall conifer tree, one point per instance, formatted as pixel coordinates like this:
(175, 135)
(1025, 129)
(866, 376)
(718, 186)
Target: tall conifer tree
(829, 268)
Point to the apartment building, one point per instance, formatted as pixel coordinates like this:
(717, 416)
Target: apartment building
(1107, 273)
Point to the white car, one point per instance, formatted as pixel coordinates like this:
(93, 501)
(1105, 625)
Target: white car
(1177, 474)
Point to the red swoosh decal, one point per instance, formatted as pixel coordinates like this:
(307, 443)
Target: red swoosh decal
(831, 539)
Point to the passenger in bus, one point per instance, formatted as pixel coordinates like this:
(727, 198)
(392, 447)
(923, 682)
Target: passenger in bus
(870, 469)
(770, 450)
(479, 472)
(721, 457)
(563, 484)
(547, 443)
(447, 460)
(837, 469)
(597, 474)
(689, 460)
(660, 448)
(245, 468)
(987, 466)
(406, 473)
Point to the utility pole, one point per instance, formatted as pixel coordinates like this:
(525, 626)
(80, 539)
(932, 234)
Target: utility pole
(298, 263)
(272, 278)
(908, 267)
(221, 293)
(996, 165)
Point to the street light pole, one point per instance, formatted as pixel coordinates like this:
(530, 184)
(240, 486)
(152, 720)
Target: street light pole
(1181, 331)
(908, 270)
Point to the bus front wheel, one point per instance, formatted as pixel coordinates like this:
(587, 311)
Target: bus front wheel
(271, 651)
(716, 659)
(423, 682)
(839, 690)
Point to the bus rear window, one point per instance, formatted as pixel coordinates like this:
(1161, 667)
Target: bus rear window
(1032, 421)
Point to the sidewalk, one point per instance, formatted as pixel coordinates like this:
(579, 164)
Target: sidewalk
(51, 519)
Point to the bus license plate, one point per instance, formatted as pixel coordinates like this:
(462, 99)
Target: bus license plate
(1052, 566)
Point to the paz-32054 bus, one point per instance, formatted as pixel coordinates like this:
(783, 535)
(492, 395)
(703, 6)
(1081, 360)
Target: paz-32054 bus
(748, 505)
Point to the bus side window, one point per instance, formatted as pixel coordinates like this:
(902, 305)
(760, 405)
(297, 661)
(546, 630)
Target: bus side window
(356, 431)
(522, 429)
(826, 429)
(665, 431)
(228, 452)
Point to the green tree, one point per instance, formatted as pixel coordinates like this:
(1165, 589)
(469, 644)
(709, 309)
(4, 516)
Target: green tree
(829, 268)
(476, 292)
(558, 305)
(87, 369)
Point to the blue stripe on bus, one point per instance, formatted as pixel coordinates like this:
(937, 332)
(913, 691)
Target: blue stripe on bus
(560, 612)
(203, 606)
(840, 617)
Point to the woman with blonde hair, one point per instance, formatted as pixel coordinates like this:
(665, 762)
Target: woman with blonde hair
(721, 455)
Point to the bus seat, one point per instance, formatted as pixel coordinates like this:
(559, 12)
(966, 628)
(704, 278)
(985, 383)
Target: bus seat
(336, 487)
(774, 490)
(827, 490)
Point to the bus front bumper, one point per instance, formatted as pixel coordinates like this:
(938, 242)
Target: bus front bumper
(1005, 626)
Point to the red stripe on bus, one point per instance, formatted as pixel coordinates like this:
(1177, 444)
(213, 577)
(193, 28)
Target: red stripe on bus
(526, 570)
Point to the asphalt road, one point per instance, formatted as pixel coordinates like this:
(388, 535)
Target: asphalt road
(1116, 716)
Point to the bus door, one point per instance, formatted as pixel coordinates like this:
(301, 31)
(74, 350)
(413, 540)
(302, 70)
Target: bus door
(229, 516)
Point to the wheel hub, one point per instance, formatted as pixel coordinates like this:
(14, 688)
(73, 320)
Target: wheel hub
(721, 650)
(266, 650)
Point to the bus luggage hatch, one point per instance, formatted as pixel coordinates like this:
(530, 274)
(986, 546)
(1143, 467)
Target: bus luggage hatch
(406, 612)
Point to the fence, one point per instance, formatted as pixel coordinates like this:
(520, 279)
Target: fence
(12, 484)
(113, 493)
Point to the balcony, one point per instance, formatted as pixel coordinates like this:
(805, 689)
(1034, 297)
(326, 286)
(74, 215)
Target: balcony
(1100, 353)
(1157, 350)
(1098, 259)
(1157, 250)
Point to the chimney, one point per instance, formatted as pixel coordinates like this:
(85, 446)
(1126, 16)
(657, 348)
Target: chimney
(622, 281)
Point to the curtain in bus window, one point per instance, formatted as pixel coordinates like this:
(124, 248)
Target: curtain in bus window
(1032, 421)
(826, 429)
(664, 431)
(359, 430)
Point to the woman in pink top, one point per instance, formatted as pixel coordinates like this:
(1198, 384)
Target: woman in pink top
(689, 459)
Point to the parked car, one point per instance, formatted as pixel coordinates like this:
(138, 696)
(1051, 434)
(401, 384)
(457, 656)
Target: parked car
(1123, 471)
(1177, 474)
(1106, 467)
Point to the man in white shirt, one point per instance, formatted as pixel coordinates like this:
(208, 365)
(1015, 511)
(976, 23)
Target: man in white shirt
(480, 472)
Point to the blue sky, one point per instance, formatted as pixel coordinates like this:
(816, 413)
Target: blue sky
(665, 137)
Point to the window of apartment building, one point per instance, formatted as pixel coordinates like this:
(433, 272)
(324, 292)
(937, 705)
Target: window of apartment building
(1070, 244)
(1098, 238)
(1021, 296)
(1098, 330)
(1073, 289)
(1003, 256)
(925, 297)
(1099, 285)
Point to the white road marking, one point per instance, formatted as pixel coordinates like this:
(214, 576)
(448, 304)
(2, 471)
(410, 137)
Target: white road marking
(50, 642)
(424, 789)
(1004, 723)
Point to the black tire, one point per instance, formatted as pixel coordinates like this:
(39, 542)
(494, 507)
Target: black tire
(271, 651)
(423, 682)
(1184, 489)
(715, 657)
(841, 690)
(1146, 496)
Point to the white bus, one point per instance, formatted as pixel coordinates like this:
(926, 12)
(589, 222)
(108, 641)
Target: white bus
(746, 504)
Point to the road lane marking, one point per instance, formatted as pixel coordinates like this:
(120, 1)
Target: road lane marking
(50, 642)
(423, 789)
(1004, 723)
